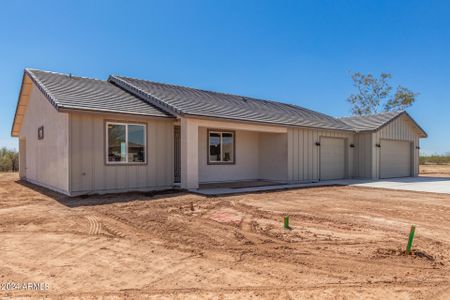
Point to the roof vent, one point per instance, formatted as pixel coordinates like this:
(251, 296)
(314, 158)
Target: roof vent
(244, 99)
(70, 75)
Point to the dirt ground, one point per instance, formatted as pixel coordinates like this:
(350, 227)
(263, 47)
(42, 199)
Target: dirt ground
(344, 243)
(435, 170)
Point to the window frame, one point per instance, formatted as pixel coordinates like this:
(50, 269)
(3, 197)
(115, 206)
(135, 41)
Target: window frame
(106, 147)
(221, 132)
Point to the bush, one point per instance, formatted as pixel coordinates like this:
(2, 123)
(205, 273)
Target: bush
(9, 160)
(435, 159)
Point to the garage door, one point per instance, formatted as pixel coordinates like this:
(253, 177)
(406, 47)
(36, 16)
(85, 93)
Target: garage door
(395, 159)
(332, 158)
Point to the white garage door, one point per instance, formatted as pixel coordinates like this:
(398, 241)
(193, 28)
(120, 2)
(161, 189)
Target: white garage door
(395, 159)
(332, 158)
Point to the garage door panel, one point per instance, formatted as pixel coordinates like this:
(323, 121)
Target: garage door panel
(332, 158)
(395, 159)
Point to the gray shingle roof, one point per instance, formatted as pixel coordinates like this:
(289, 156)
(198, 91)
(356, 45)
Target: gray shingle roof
(141, 97)
(70, 92)
(189, 101)
(370, 122)
(376, 121)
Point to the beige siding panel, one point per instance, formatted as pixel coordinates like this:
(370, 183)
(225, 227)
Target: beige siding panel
(332, 158)
(87, 151)
(304, 154)
(296, 158)
(399, 129)
(22, 158)
(99, 173)
(290, 154)
(363, 155)
(90, 174)
(47, 160)
(301, 155)
(152, 155)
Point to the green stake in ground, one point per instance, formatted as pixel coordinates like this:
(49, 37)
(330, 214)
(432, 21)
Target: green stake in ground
(410, 240)
(286, 222)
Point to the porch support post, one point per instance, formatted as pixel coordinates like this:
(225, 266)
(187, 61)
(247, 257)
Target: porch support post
(189, 153)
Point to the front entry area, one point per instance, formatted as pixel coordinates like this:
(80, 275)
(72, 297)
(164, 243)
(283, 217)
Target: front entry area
(395, 159)
(332, 158)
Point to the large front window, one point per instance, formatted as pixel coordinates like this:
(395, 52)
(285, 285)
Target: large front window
(220, 147)
(125, 143)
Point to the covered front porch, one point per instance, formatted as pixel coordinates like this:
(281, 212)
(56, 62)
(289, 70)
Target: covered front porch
(232, 154)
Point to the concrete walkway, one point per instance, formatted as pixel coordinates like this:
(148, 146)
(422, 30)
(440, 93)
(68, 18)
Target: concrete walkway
(418, 184)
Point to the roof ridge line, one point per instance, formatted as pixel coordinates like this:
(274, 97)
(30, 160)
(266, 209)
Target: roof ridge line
(132, 89)
(66, 74)
(216, 92)
(199, 89)
(275, 102)
(372, 115)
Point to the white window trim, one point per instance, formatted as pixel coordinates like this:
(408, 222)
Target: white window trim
(126, 162)
(221, 161)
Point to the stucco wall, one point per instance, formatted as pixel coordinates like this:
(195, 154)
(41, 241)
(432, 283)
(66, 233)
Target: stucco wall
(47, 160)
(304, 155)
(90, 174)
(247, 159)
(273, 156)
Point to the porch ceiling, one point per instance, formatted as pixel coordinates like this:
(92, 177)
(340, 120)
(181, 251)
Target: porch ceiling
(239, 126)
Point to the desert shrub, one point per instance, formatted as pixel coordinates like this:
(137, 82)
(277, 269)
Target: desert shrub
(435, 159)
(9, 160)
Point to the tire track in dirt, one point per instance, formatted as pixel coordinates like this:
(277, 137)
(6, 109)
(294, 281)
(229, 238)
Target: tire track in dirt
(187, 237)
(95, 226)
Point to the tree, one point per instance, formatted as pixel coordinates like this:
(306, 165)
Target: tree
(14, 157)
(375, 95)
(9, 160)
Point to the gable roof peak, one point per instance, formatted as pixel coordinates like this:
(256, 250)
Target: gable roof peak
(376, 121)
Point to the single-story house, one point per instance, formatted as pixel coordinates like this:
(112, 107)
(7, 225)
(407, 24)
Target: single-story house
(79, 136)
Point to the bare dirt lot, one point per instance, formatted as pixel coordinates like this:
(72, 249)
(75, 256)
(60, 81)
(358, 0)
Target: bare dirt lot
(435, 170)
(345, 243)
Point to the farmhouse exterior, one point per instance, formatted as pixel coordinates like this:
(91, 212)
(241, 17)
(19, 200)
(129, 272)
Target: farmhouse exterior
(79, 136)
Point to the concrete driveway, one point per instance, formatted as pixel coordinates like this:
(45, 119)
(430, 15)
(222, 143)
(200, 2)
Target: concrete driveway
(418, 184)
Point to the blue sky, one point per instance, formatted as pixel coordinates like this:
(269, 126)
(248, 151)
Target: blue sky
(294, 51)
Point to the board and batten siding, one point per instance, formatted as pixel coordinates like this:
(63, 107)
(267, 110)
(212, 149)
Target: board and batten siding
(90, 174)
(399, 129)
(363, 150)
(304, 154)
(46, 160)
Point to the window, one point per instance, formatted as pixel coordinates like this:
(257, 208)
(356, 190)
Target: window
(126, 143)
(220, 147)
